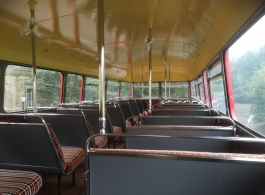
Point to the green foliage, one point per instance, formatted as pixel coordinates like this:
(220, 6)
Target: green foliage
(257, 94)
(48, 87)
(248, 80)
(73, 83)
(242, 70)
(125, 90)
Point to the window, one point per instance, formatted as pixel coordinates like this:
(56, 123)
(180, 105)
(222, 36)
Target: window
(73, 88)
(112, 90)
(125, 90)
(142, 90)
(176, 89)
(200, 88)
(91, 89)
(48, 87)
(193, 88)
(218, 99)
(197, 89)
(246, 61)
(19, 88)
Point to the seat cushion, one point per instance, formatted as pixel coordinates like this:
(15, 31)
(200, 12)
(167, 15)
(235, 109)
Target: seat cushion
(100, 141)
(19, 182)
(73, 157)
(117, 130)
(57, 145)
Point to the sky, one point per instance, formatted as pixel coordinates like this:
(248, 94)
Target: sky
(253, 39)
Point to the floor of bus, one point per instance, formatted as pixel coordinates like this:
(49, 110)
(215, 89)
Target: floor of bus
(50, 182)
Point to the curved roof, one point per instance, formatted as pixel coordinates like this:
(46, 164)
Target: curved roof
(187, 33)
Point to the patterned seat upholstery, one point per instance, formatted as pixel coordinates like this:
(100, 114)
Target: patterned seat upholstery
(73, 157)
(70, 157)
(99, 142)
(187, 153)
(19, 182)
(116, 129)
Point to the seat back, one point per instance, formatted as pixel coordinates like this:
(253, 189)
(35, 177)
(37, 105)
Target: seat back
(133, 108)
(174, 172)
(186, 143)
(144, 103)
(178, 112)
(63, 110)
(92, 116)
(126, 110)
(139, 106)
(70, 129)
(180, 120)
(115, 115)
(29, 147)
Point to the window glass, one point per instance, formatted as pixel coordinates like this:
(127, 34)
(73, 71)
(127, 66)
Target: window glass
(247, 65)
(125, 90)
(91, 81)
(202, 92)
(197, 89)
(48, 87)
(217, 88)
(200, 88)
(142, 90)
(73, 88)
(176, 89)
(19, 88)
(112, 90)
(91, 89)
(193, 88)
(217, 94)
(216, 69)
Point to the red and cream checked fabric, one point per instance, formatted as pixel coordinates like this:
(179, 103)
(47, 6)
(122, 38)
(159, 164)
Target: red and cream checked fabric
(73, 157)
(185, 153)
(57, 145)
(135, 121)
(19, 182)
(70, 156)
(128, 124)
(99, 142)
(122, 115)
(150, 111)
(145, 113)
(114, 129)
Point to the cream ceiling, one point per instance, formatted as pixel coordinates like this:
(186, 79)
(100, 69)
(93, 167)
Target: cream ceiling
(188, 33)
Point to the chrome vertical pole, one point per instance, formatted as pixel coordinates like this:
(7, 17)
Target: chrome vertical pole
(101, 62)
(150, 64)
(142, 83)
(169, 82)
(132, 85)
(165, 66)
(32, 4)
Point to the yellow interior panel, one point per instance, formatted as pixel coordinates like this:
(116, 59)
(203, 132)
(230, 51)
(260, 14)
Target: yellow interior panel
(188, 34)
